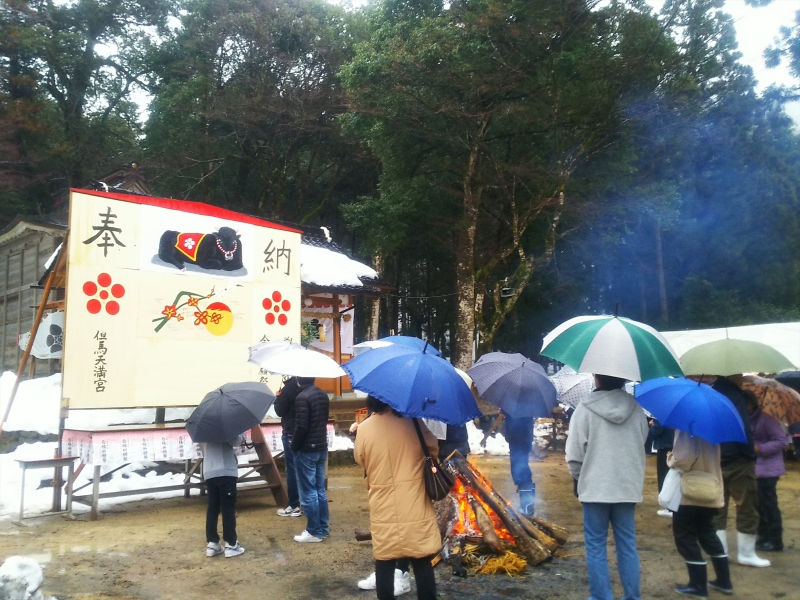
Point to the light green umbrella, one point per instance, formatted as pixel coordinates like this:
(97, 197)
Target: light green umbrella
(733, 357)
(612, 346)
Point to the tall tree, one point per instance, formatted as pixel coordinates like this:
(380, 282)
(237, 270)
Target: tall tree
(245, 108)
(481, 113)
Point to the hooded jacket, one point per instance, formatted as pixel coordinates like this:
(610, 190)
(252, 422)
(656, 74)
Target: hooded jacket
(605, 447)
(219, 460)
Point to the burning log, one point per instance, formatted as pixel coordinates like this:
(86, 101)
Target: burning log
(529, 547)
(557, 532)
(487, 528)
(540, 536)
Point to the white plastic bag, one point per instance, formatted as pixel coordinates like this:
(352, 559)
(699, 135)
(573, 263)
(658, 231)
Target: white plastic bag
(670, 496)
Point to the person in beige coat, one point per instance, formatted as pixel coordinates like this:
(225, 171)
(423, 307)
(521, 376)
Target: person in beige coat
(692, 525)
(401, 515)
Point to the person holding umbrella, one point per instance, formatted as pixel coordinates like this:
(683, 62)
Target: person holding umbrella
(605, 456)
(692, 524)
(739, 480)
(769, 442)
(220, 472)
(703, 418)
(523, 392)
(218, 423)
(402, 519)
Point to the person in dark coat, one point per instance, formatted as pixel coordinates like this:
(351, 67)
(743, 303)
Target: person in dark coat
(310, 445)
(457, 438)
(738, 461)
(770, 441)
(519, 435)
(284, 408)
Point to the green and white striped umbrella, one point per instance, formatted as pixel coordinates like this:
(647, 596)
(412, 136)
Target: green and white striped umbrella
(614, 346)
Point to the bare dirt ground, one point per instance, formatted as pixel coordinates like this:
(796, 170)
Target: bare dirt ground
(156, 549)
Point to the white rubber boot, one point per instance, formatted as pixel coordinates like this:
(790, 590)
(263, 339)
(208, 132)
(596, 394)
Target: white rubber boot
(723, 537)
(747, 551)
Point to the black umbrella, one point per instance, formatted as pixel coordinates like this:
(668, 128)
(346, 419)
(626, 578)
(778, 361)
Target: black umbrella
(228, 411)
(790, 379)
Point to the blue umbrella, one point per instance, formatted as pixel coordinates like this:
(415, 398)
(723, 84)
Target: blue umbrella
(514, 383)
(692, 407)
(415, 383)
(411, 342)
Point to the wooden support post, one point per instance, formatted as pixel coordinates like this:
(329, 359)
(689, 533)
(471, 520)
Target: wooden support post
(95, 514)
(337, 345)
(268, 468)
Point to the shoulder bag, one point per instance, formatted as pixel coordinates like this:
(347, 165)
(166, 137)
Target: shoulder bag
(700, 486)
(438, 481)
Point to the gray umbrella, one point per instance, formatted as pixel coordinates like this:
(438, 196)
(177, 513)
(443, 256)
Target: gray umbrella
(514, 383)
(228, 411)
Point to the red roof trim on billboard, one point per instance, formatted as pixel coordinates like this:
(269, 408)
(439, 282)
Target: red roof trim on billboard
(198, 208)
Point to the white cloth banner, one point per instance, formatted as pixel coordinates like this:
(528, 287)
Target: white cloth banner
(345, 331)
(49, 339)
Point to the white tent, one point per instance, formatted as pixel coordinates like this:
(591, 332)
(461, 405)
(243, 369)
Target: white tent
(784, 337)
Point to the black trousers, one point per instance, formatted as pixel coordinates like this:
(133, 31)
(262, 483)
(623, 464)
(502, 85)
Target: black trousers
(221, 497)
(693, 528)
(661, 466)
(423, 576)
(770, 523)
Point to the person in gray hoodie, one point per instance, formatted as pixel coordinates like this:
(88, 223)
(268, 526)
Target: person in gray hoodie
(605, 456)
(220, 472)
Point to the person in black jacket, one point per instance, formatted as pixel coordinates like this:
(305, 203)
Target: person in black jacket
(284, 408)
(310, 445)
(738, 463)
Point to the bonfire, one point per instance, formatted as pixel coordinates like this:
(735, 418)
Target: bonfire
(482, 531)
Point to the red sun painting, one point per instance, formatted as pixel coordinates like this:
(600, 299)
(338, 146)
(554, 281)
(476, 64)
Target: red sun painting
(276, 307)
(220, 318)
(103, 293)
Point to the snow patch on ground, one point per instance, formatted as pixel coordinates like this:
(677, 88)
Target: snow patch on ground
(20, 579)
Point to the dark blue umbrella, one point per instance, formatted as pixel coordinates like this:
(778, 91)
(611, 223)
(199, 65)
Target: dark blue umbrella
(228, 411)
(415, 383)
(514, 383)
(692, 407)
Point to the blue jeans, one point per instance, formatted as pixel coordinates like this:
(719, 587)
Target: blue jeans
(313, 497)
(291, 471)
(520, 467)
(596, 518)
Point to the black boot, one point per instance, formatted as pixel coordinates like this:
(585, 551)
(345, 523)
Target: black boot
(769, 546)
(723, 570)
(698, 578)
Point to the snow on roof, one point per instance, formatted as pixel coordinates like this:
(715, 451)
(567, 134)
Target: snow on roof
(326, 267)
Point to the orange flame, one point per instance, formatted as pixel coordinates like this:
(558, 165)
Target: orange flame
(467, 524)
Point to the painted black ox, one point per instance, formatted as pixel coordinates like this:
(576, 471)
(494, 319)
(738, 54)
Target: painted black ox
(221, 250)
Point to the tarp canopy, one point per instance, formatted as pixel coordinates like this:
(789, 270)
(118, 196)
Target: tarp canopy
(784, 337)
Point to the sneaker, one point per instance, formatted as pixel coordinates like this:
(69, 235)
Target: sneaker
(214, 549)
(664, 513)
(368, 583)
(231, 551)
(290, 511)
(402, 582)
(307, 538)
